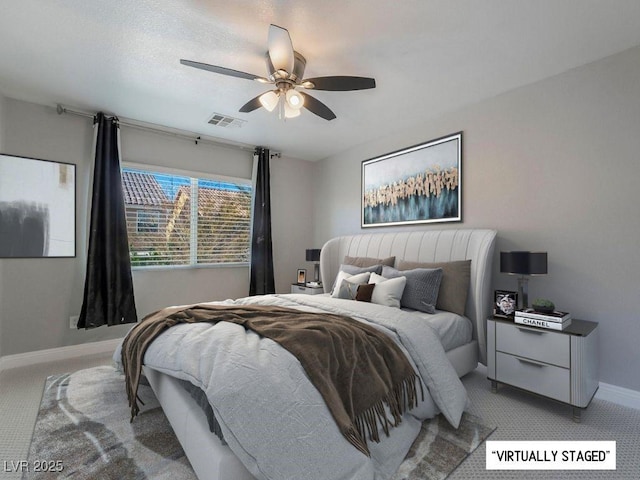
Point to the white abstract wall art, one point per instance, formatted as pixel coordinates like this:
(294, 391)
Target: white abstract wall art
(37, 208)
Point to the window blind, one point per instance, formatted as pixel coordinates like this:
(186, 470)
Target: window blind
(178, 220)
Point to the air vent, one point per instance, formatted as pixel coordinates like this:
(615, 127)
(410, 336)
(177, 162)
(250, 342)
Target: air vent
(221, 120)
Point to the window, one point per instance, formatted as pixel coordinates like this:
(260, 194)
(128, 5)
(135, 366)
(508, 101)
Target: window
(177, 220)
(148, 221)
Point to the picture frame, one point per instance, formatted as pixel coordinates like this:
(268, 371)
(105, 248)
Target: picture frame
(37, 208)
(302, 276)
(505, 304)
(418, 184)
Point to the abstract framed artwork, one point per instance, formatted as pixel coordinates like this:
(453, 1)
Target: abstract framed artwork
(418, 184)
(37, 208)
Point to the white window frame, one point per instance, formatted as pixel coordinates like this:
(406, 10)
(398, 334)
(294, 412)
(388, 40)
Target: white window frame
(194, 175)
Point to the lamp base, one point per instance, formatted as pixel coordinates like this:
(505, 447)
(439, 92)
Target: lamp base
(523, 290)
(316, 273)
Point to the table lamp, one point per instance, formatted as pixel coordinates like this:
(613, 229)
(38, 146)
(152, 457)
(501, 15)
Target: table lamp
(523, 264)
(313, 255)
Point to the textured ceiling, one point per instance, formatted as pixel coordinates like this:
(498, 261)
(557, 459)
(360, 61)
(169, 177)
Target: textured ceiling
(428, 58)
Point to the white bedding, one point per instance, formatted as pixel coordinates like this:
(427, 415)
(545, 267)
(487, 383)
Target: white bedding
(271, 416)
(452, 329)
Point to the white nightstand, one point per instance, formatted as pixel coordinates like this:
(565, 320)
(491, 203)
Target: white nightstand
(562, 365)
(298, 288)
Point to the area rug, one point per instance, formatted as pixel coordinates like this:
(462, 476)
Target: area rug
(83, 432)
(439, 448)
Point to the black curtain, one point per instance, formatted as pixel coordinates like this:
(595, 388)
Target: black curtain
(262, 281)
(108, 286)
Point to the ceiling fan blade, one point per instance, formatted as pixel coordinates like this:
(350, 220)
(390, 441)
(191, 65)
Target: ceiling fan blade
(316, 106)
(280, 49)
(223, 70)
(251, 105)
(341, 83)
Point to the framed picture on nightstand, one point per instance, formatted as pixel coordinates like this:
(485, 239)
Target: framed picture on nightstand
(302, 276)
(505, 304)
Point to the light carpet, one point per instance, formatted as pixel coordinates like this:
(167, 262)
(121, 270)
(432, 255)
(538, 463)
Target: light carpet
(83, 431)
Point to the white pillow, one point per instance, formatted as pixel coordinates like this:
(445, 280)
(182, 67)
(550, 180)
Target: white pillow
(388, 291)
(359, 278)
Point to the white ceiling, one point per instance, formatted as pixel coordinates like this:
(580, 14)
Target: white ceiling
(428, 57)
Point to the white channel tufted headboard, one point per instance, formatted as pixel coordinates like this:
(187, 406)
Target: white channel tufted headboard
(476, 245)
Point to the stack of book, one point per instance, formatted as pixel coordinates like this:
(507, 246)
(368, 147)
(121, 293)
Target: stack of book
(554, 320)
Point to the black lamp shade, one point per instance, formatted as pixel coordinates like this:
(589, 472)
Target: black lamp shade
(313, 255)
(523, 263)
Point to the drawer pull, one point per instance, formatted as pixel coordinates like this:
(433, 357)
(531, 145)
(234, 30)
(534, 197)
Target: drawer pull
(530, 330)
(531, 362)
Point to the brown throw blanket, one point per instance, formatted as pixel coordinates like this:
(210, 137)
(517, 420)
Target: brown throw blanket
(356, 368)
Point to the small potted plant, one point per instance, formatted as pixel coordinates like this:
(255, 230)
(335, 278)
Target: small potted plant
(543, 305)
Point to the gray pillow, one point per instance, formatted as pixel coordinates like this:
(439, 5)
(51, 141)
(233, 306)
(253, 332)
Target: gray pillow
(454, 287)
(421, 290)
(355, 291)
(348, 290)
(343, 276)
(354, 270)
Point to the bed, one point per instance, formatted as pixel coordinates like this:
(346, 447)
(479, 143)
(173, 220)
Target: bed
(306, 444)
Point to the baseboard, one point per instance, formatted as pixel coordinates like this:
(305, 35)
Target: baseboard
(55, 354)
(619, 395)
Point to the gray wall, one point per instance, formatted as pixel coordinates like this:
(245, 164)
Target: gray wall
(2, 123)
(37, 296)
(2, 108)
(553, 166)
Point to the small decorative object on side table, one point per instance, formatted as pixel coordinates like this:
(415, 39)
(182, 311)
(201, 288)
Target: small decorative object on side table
(302, 276)
(542, 305)
(558, 364)
(505, 303)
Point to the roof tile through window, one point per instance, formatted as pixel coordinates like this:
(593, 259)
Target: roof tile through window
(142, 189)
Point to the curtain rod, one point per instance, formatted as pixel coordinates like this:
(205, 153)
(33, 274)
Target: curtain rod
(194, 137)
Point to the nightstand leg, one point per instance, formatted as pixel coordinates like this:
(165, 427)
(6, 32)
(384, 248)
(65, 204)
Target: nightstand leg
(494, 386)
(577, 412)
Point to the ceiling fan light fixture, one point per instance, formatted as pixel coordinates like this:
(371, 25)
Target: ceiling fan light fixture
(290, 112)
(294, 99)
(285, 69)
(280, 48)
(269, 100)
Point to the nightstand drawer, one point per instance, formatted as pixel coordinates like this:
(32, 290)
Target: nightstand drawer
(544, 379)
(306, 290)
(534, 343)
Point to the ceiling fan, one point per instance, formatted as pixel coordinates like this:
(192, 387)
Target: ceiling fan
(286, 70)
